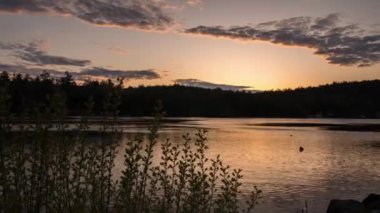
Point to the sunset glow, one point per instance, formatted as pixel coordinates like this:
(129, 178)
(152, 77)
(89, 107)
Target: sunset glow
(162, 40)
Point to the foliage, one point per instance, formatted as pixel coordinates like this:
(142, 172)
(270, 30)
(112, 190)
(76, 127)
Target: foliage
(51, 164)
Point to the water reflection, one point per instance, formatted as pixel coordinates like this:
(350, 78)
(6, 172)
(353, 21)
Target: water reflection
(334, 164)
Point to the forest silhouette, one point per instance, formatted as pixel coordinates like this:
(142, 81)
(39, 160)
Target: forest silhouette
(344, 99)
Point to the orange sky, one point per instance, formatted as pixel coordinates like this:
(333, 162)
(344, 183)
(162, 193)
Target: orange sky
(174, 54)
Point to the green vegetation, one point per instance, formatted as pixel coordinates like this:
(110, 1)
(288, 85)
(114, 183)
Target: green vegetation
(49, 164)
(346, 99)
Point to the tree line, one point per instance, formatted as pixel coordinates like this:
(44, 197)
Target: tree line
(344, 99)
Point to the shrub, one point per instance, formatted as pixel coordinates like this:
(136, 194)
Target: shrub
(51, 164)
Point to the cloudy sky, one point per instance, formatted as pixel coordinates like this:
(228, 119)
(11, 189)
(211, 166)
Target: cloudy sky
(232, 44)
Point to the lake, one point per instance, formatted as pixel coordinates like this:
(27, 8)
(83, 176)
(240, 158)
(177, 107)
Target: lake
(337, 162)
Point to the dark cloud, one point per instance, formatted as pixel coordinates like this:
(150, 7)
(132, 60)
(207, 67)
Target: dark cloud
(17, 5)
(126, 74)
(208, 85)
(86, 74)
(142, 14)
(340, 44)
(32, 72)
(33, 53)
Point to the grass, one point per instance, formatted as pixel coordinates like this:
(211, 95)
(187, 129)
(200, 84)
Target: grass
(48, 167)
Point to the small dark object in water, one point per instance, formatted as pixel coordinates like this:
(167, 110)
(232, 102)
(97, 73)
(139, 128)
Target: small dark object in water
(291, 135)
(301, 149)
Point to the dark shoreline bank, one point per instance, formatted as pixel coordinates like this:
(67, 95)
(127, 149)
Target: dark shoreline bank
(327, 126)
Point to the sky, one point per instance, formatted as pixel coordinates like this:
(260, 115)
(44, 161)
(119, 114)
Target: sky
(230, 44)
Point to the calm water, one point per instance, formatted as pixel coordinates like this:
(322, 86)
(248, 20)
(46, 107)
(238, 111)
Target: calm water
(334, 164)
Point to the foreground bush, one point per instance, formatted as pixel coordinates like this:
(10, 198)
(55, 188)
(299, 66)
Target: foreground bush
(51, 164)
